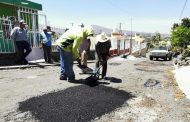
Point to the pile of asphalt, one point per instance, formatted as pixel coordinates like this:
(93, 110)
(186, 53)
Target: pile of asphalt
(80, 103)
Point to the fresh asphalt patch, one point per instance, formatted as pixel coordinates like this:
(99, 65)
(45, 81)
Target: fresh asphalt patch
(79, 103)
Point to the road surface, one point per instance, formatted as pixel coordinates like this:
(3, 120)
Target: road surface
(137, 90)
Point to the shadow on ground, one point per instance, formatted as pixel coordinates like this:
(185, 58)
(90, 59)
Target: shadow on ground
(114, 80)
(29, 65)
(80, 103)
(92, 81)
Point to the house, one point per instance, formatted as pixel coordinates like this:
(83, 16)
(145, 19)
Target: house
(11, 11)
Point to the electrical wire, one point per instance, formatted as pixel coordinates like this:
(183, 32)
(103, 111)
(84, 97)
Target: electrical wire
(183, 9)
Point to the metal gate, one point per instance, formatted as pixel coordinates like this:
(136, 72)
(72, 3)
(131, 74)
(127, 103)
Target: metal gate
(6, 44)
(35, 23)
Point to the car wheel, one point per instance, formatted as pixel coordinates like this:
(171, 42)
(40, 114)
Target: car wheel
(170, 58)
(151, 58)
(165, 59)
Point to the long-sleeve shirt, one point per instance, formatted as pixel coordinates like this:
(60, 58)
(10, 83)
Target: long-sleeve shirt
(46, 38)
(85, 45)
(71, 39)
(18, 34)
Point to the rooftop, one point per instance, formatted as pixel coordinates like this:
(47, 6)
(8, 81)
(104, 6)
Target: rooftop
(23, 3)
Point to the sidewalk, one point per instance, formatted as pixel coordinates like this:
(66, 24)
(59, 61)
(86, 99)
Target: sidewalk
(182, 76)
(37, 63)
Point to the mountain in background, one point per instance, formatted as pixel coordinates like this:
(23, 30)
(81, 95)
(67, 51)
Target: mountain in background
(98, 29)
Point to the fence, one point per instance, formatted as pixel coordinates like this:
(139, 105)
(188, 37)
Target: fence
(6, 44)
(32, 18)
(35, 24)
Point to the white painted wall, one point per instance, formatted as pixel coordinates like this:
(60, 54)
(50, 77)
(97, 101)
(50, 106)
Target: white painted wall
(36, 54)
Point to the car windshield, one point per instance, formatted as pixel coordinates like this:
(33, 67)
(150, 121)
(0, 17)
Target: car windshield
(160, 48)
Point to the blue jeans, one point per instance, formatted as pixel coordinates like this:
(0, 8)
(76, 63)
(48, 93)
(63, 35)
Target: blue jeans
(66, 61)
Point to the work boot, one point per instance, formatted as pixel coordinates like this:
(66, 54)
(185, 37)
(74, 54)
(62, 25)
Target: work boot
(25, 62)
(63, 77)
(50, 62)
(104, 77)
(72, 80)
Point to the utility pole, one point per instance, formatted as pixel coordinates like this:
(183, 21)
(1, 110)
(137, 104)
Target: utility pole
(72, 24)
(120, 32)
(131, 47)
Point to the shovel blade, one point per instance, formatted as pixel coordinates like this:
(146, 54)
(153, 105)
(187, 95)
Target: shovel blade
(92, 81)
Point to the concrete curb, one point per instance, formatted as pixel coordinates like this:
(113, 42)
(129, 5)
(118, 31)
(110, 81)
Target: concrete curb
(30, 65)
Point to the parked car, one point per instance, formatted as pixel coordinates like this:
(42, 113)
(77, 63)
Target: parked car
(160, 52)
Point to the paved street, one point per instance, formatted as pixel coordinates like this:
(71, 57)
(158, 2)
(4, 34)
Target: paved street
(137, 90)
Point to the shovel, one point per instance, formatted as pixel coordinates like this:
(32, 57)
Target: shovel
(93, 77)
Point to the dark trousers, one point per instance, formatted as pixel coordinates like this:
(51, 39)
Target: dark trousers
(102, 60)
(24, 49)
(47, 53)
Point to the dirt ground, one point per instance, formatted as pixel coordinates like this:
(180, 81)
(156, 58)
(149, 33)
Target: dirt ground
(137, 90)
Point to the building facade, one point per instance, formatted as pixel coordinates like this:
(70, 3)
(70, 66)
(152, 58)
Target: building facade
(11, 11)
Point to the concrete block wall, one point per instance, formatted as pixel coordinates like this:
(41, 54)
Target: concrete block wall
(7, 58)
(140, 53)
(10, 58)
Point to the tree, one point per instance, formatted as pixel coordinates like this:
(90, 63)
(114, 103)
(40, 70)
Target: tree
(185, 22)
(180, 34)
(175, 25)
(156, 39)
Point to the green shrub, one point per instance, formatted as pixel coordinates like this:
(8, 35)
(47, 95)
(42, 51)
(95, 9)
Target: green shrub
(186, 53)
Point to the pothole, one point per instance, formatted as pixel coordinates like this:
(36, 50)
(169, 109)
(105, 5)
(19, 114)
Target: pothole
(151, 83)
(147, 69)
(114, 64)
(147, 63)
(148, 102)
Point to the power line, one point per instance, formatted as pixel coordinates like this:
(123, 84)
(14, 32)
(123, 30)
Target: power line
(183, 9)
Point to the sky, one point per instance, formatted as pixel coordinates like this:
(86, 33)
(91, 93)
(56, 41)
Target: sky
(142, 15)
